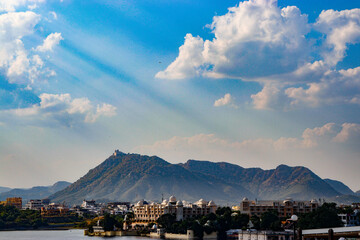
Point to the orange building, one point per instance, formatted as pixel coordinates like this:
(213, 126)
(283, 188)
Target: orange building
(14, 201)
(54, 210)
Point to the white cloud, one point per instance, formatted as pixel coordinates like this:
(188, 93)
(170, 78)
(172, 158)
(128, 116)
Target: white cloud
(341, 86)
(349, 132)
(341, 28)
(312, 137)
(188, 62)
(270, 97)
(32, 7)
(245, 39)
(50, 42)
(20, 65)
(258, 41)
(227, 100)
(11, 5)
(314, 142)
(13, 55)
(63, 109)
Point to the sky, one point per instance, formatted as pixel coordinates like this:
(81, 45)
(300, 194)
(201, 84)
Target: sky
(256, 83)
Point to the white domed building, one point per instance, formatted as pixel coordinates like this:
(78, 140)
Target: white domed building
(145, 213)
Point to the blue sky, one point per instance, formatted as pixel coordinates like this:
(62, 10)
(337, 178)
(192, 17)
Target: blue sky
(260, 84)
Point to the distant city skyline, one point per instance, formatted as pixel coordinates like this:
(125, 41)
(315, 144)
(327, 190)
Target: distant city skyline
(256, 83)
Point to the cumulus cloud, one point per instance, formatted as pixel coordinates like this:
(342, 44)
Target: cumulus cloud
(227, 100)
(341, 29)
(314, 142)
(13, 55)
(188, 63)
(270, 97)
(63, 109)
(20, 65)
(349, 132)
(259, 41)
(245, 39)
(11, 5)
(341, 86)
(50, 42)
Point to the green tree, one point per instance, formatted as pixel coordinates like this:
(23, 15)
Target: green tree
(166, 221)
(255, 221)
(323, 217)
(270, 220)
(239, 220)
(108, 222)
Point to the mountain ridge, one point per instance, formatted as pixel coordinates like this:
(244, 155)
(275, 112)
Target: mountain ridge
(339, 186)
(131, 177)
(37, 192)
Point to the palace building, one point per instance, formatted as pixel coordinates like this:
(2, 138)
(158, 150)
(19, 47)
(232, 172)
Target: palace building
(285, 208)
(145, 212)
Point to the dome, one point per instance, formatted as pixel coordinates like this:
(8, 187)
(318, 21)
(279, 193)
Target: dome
(164, 202)
(179, 203)
(245, 199)
(314, 201)
(211, 204)
(140, 203)
(201, 202)
(172, 199)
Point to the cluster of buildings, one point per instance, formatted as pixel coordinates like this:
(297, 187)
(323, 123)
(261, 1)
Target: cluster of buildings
(47, 209)
(90, 207)
(145, 212)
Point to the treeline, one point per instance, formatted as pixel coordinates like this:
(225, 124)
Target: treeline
(13, 218)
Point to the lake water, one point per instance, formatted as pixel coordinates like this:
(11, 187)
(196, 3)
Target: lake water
(55, 235)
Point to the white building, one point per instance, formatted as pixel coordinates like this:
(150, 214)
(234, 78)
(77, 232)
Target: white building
(35, 204)
(350, 219)
(145, 212)
(285, 208)
(251, 234)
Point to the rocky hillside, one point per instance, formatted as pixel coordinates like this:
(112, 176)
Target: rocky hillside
(130, 177)
(284, 181)
(340, 187)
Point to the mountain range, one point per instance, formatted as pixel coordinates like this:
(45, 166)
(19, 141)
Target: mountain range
(340, 187)
(131, 177)
(4, 189)
(38, 192)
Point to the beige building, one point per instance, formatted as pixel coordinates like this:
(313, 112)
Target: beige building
(285, 208)
(145, 212)
(265, 235)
